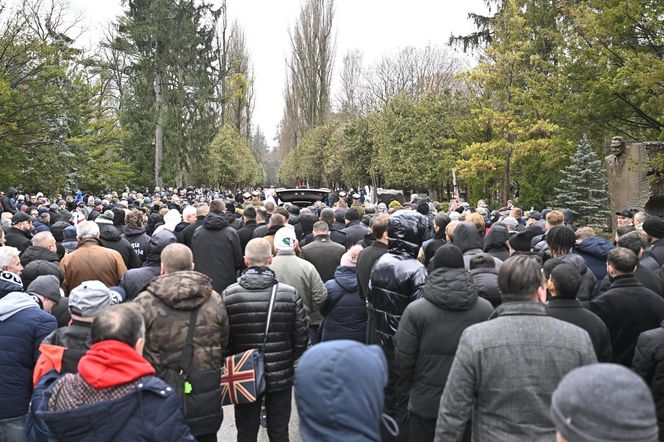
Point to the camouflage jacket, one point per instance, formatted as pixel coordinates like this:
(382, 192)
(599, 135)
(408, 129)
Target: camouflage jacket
(167, 303)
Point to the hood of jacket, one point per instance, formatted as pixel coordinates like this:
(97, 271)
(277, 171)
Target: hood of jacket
(110, 363)
(595, 246)
(496, 239)
(257, 278)
(451, 289)
(14, 302)
(133, 230)
(466, 237)
(406, 231)
(216, 221)
(346, 277)
(10, 192)
(339, 391)
(181, 290)
(158, 242)
(577, 261)
(109, 232)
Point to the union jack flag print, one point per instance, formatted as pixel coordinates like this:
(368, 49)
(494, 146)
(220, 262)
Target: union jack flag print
(238, 379)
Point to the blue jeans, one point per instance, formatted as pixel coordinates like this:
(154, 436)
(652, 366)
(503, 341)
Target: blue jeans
(313, 331)
(13, 429)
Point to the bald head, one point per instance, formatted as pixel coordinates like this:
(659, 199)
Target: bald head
(258, 253)
(176, 258)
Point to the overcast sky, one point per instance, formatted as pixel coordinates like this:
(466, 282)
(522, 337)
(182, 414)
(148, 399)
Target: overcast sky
(375, 27)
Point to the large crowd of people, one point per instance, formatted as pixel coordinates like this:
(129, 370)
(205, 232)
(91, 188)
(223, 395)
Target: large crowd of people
(408, 321)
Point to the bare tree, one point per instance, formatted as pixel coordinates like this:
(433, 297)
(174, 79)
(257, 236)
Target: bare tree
(412, 71)
(350, 97)
(310, 64)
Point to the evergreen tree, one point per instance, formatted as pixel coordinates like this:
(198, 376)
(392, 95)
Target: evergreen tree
(583, 188)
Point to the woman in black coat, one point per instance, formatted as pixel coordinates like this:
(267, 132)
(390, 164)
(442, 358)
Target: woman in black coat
(428, 336)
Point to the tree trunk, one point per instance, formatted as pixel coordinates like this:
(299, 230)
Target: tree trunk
(508, 179)
(159, 131)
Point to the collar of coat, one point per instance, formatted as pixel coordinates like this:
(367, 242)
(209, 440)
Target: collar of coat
(520, 308)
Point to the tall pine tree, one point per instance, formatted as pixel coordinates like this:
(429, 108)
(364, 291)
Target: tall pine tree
(584, 187)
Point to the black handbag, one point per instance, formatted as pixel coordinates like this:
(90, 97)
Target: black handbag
(198, 390)
(243, 376)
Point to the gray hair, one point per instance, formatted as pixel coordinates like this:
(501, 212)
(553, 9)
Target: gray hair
(87, 229)
(7, 255)
(188, 211)
(41, 239)
(258, 252)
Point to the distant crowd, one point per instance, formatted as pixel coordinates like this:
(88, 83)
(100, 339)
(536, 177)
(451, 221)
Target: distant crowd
(132, 316)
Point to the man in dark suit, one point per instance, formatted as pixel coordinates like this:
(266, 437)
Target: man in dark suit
(354, 230)
(627, 308)
(323, 253)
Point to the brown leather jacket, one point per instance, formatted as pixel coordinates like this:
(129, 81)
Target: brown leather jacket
(91, 261)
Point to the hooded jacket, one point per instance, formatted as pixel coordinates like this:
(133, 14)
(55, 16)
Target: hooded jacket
(5, 200)
(486, 280)
(114, 397)
(594, 252)
(429, 334)
(216, 250)
(397, 277)
(495, 242)
(135, 280)
(167, 303)
(138, 240)
(111, 238)
(345, 312)
(247, 303)
(467, 238)
(588, 280)
(23, 325)
(339, 392)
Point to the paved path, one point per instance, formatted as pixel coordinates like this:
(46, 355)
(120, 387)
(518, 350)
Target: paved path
(228, 433)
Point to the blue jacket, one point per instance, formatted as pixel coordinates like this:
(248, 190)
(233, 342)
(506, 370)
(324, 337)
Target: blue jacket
(23, 325)
(151, 412)
(339, 392)
(347, 319)
(594, 251)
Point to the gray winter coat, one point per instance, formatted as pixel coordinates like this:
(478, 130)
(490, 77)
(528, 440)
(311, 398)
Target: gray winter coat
(505, 371)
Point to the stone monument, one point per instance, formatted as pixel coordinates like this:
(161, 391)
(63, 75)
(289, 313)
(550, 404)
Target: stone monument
(633, 182)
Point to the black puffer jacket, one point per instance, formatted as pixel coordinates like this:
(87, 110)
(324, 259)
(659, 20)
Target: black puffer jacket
(217, 251)
(429, 334)
(135, 280)
(111, 238)
(138, 240)
(649, 364)
(588, 280)
(397, 277)
(247, 303)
